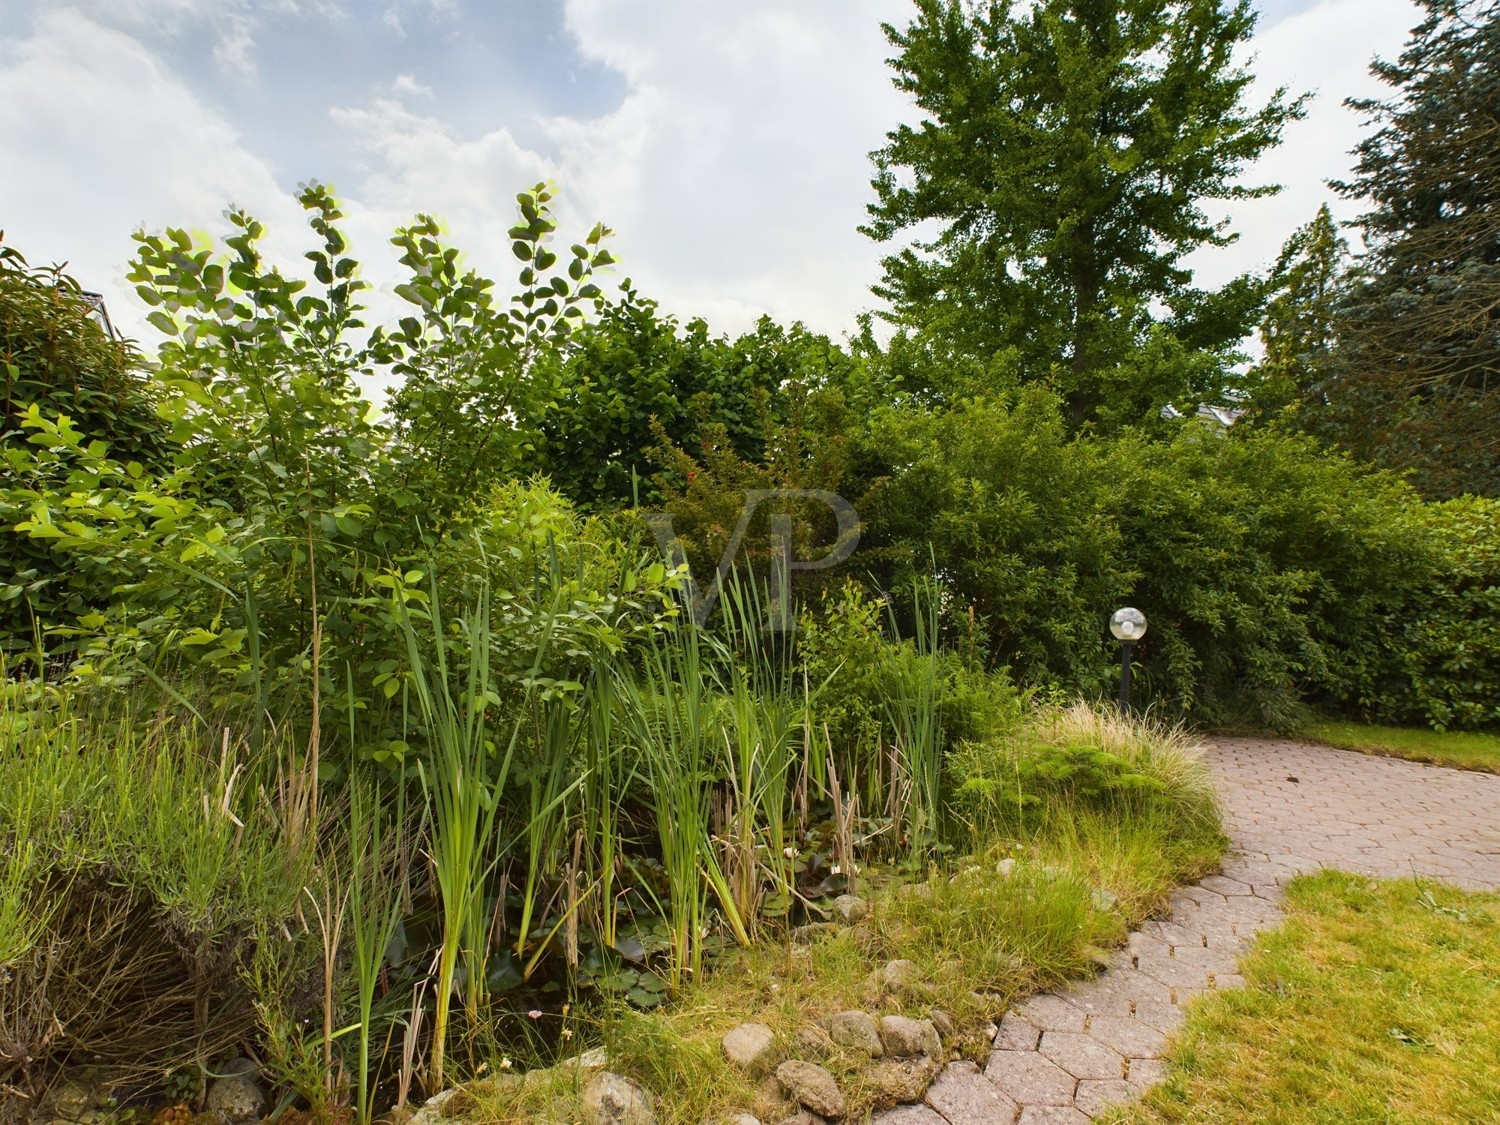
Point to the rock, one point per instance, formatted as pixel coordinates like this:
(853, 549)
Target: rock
(740, 1119)
(851, 908)
(1104, 900)
(1006, 868)
(813, 931)
(906, 1038)
(431, 1112)
(811, 1087)
(855, 1031)
(237, 1097)
(813, 1042)
(613, 1099)
(902, 1080)
(899, 976)
(802, 1118)
(72, 1099)
(751, 1049)
(947, 1030)
(915, 890)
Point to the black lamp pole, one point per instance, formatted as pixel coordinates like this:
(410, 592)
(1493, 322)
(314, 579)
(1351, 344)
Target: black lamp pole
(1125, 647)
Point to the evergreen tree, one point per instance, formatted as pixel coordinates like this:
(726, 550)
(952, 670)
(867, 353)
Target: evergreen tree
(1065, 153)
(1418, 378)
(1297, 332)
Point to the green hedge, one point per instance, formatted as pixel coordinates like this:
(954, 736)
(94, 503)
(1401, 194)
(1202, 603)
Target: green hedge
(1273, 573)
(1434, 657)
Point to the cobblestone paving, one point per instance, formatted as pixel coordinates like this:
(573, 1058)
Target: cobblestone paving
(1061, 1058)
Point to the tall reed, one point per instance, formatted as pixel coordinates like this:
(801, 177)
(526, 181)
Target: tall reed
(914, 711)
(463, 776)
(670, 705)
(377, 858)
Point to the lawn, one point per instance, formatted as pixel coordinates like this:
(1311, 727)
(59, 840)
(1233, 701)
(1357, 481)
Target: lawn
(1376, 1002)
(1468, 750)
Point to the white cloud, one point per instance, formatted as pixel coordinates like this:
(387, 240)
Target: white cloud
(408, 84)
(735, 169)
(99, 140)
(1326, 49)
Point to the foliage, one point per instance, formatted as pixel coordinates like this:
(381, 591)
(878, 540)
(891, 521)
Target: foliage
(142, 868)
(634, 379)
(1465, 750)
(1434, 656)
(1065, 152)
(1298, 332)
(58, 357)
(1258, 561)
(1364, 1005)
(267, 554)
(1076, 760)
(1419, 358)
(722, 508)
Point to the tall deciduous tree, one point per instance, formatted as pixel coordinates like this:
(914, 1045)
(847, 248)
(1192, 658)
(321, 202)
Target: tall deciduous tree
(1065, 154)
(1418, 383)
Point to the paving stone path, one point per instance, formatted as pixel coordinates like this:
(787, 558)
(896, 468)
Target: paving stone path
(1290, 808)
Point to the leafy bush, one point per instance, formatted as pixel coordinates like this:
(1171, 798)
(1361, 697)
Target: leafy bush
(56, 356)
(1257, 559)
(1433, 653)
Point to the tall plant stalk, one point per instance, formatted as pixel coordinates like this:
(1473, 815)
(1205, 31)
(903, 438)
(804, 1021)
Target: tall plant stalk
(914, 711)
(463, 779)
(670, 706)
(376, 844)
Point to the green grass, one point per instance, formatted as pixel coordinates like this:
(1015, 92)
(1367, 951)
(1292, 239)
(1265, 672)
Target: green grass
(1376, 1002)
(1468, 750)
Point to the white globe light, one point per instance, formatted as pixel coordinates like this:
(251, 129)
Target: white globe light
(1128, 624)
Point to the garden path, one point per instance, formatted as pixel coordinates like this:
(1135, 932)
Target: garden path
(1290, 808)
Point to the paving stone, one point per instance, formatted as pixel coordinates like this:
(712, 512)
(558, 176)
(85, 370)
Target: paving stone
(963, 1096)
(1146, 1072)
(1132, 1038)
(1052, 1013)
(1379, 816)
(907, 1115)
(1017, 1033)
(1094, 1096)
(1225, 886)
(1081, 1055)
(1159, 1015)
(1052, 1115)
(1029, 1078)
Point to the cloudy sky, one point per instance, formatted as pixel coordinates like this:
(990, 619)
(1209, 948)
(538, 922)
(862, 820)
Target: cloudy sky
(726, 141)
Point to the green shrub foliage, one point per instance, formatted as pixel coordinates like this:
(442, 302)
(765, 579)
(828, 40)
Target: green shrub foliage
(1434, 654)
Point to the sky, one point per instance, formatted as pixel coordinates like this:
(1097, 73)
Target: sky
(725, 141)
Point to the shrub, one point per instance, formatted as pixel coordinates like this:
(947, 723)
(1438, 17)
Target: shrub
(1257, 558)
(1433, 654)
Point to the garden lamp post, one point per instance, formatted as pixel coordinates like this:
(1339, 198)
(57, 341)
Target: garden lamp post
(1128, 625)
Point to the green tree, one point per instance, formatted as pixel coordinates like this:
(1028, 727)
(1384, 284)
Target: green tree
(634, 370)
(1065, 153)
(1418, 384)
(1298, 331)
